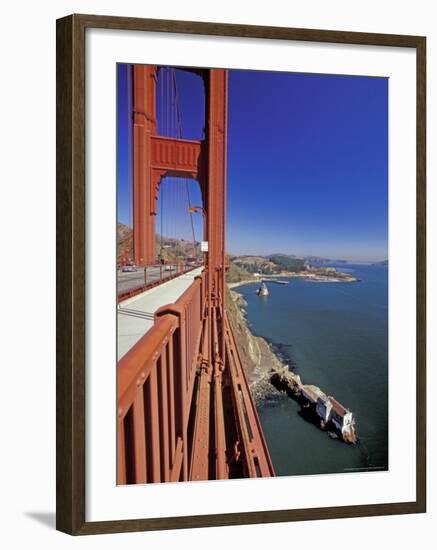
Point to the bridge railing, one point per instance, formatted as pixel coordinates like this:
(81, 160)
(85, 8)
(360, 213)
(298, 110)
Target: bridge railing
(189, 310)
(155, 383)
(254, 446)
(156, 274)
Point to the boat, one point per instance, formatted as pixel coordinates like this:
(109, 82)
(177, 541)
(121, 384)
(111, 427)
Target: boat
(263, 290)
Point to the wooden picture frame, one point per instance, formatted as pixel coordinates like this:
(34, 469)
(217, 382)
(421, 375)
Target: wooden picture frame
(71, 253)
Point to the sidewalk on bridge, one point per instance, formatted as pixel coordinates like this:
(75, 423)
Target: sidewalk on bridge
(135, 315)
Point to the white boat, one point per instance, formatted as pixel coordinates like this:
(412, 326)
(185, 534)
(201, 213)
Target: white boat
(263, 290)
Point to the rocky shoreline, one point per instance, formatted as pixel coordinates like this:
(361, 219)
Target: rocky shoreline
(258, 357)
(241, 283)
(267, 372)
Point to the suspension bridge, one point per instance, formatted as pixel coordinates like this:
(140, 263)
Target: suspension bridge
(185, 411)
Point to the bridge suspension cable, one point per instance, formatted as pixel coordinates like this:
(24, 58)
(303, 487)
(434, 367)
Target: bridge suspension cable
(175, 196)
(129, 141)
(179, 119)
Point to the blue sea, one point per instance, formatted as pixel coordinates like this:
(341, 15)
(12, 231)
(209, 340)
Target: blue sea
(335, 336)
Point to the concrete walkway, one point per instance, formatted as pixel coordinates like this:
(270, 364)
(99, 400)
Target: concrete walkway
(135, 316)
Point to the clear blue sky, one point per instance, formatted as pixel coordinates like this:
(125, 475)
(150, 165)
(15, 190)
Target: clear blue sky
(307, 161)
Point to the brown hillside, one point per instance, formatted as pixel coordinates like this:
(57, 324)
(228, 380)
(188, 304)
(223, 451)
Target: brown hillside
(168, 248)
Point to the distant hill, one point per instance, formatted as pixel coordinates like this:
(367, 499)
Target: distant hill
(382, 263)
(318, 261)
(288, 263)
(125, 246)
(167, 247)
(254, 264)
(268, 265)
(283, 254)
(236, 273)
(275, 263)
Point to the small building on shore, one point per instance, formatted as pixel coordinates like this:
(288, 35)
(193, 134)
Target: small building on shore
(324, 408)
(312, 393)
(341, 417)
(330, 412)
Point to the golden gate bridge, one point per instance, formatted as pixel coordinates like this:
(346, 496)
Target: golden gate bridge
(185, 411)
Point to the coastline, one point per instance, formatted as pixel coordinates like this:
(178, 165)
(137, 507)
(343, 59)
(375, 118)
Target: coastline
(241, 283)
(337, 277)
(268, 374)
(258, 357)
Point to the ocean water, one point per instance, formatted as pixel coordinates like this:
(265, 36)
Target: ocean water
(335, 336)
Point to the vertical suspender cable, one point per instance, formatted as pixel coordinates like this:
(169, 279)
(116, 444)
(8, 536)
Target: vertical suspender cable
(129, 114)
(179, 120)
(161, 76)
(128, 140)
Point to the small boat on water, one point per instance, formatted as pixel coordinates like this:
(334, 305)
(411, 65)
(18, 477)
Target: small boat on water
(263, 290)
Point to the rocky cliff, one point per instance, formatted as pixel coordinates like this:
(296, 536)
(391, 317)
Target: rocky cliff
(258, 358)
(267, 375)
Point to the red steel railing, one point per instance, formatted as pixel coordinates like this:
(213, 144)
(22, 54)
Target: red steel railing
(181, 415)
(155, 383)
(155, 275)
(253, 444)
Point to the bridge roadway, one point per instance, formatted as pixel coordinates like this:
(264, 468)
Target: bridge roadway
(128, 280)
(135, 316)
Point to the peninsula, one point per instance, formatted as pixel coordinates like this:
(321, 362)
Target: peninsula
(246, 269)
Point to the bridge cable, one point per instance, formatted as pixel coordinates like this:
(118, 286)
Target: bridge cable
(161, 74)
(179, 119)
(129, 145)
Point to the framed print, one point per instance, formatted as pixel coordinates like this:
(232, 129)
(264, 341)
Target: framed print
(240, 274)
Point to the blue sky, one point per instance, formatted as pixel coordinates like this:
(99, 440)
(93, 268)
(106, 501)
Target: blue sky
(307, 162)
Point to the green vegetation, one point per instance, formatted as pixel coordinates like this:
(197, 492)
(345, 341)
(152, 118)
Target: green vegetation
(287, 263)
(270, 265)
